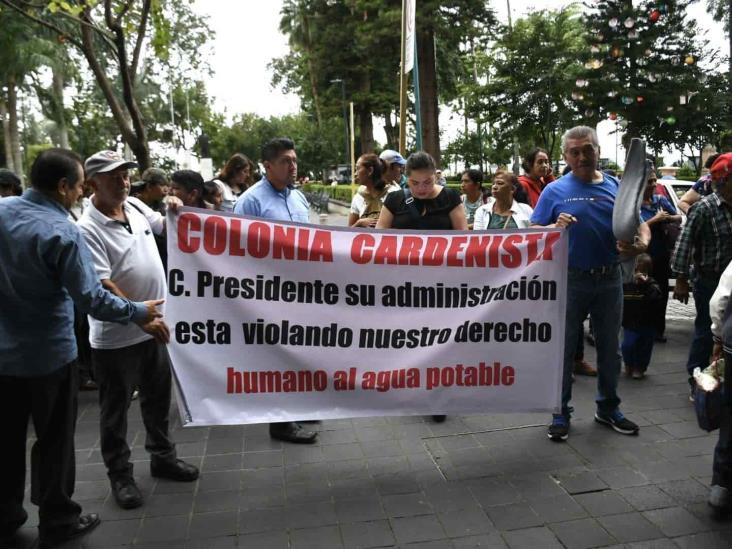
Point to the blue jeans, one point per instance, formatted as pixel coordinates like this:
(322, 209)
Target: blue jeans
(702, 344)
(600, 295)
(637, 347)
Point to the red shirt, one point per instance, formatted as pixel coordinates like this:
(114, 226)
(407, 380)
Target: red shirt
(533, 187)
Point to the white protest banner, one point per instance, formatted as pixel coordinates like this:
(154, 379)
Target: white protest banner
(409, 8)
(274, 321)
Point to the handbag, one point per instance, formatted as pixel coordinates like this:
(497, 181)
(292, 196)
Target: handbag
(709, 396)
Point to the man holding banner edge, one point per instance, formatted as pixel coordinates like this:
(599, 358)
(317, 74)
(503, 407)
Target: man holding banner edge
(582, 202)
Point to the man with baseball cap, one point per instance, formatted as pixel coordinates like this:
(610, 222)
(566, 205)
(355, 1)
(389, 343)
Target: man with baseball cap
(118, 230)
(394, 171)
(706, 241)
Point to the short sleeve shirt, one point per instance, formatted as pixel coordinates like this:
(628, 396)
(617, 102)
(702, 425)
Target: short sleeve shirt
(592, 243)
(130, 260)
(435, 211)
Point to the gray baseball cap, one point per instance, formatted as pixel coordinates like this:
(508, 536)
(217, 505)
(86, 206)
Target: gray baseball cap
(106, 161)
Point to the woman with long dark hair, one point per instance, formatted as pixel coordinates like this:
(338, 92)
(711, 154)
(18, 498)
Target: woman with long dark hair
(369, 198)
(233, 180)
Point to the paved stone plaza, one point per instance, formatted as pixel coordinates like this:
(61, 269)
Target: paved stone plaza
(473, 481)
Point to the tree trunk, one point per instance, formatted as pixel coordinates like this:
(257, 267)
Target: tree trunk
(391, 131)
(58, 107)
(429, 107)
(311, 70)
(6, 136)
(366, 129)
(13, 134)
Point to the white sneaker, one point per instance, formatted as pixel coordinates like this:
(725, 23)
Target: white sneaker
(719, 497)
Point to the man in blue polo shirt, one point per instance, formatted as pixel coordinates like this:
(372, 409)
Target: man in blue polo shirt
(582, 202)
(274, 197)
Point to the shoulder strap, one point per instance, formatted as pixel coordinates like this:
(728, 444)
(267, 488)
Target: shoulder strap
(412, 207)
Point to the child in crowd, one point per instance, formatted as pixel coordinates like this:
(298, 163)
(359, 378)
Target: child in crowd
(641, 298)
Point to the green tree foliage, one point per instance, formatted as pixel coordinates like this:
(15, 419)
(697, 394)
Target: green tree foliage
(358, 41)
(530, 74)
(643, 57)
(317, 147)
(115, 38)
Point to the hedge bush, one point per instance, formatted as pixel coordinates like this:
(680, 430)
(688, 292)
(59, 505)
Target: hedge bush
(343, 192)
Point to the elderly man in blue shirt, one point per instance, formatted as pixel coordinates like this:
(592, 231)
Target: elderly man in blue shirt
(274, 197)
(582, 202)
(45, 268)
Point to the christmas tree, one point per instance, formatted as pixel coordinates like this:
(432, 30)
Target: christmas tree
(641, 67)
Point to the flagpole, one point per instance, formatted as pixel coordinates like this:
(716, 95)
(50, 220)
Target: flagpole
(353, 152)
(403, 86)
(417, 101)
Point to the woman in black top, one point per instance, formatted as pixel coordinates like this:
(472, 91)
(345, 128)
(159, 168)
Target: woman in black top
(424, 204)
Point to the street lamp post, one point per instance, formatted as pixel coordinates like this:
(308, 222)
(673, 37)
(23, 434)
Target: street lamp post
(345, 112)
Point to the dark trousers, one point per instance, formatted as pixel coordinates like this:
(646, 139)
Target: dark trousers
(722, 468)
(702, 344)
(637, 347)
(146, 366)
(51, 401)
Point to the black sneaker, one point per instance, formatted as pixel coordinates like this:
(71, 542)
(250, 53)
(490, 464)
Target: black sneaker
(617, 421)
(559, 428)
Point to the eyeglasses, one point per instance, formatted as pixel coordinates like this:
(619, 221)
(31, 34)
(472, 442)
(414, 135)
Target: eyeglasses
(587, 150)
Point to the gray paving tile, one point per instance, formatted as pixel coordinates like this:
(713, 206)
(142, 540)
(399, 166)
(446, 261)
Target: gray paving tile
(662, 543)
(622, 477)
(582, 534)
(265, 540)
(513, 516)
(158, 505)
(113, 532)
(582, 482)
(261, 520)
(490, 492)
(675, 521)
(644, 498)
(212, 525)
(707, 540)
(630, 527)
(414, 529)
(536, 485)
(397, 484)
(217, 481)
(557, 509)
(316, 538)
(363, 535)
(406, 505)
(532, 538)
(603, 503)
(163, 529)
(310, 515)
(484, 541)
(222, 462)
(466, 522)
(224, 542)
(209, 502)
(358, 510)
(686, 491)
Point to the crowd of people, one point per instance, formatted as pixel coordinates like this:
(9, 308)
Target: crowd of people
(83, 263)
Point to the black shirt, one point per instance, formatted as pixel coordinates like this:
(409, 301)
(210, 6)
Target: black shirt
(435, 211)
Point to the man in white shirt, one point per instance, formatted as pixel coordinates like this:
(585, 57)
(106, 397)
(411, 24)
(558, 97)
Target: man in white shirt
(119, 233)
